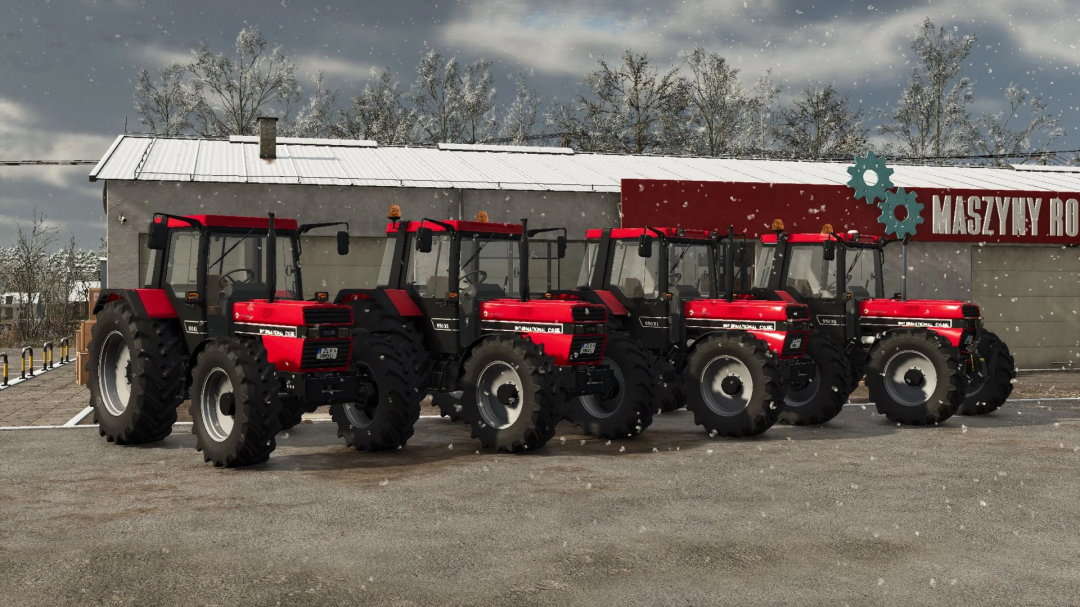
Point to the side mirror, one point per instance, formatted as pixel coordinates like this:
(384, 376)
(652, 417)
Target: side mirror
(560, 247)
(342, 243)
(830, 250)
(423, 240)
(158, 237)
(644, 246)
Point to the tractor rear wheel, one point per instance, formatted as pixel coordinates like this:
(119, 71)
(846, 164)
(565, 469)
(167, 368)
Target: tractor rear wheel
(627, 410)
(824, 396)
(384, 417)
(234, 403)
(136, 375)
(991, 381)
(732, 384)
(914, 377)
(508, 394)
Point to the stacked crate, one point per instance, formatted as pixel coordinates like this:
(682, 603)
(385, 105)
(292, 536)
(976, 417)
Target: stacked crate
(82, 339)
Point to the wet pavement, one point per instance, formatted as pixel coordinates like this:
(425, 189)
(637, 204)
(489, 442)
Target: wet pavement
(977, 511)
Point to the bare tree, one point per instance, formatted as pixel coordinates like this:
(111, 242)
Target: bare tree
(819, 125)
(165, 105)
(235, 91)
(631, 108)
(764, 111)
(719, 108)
(998, 134)
(932, 118)
(378, 113)
(316, 118)
(520, 122)
(478, 103)
(437, 99)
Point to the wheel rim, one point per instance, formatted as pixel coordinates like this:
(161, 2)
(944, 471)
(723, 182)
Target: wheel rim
(216, 385)
(499, 393)
(605, 407)
(114, 373)
(910, 378)
(803, 396)
(361, 413)
(726, 385)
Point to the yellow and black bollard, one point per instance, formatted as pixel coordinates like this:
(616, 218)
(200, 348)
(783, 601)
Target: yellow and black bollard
(4, 378)
(23, 367)
(46, 356)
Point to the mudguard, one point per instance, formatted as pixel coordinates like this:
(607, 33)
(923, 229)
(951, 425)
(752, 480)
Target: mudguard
(150, 303)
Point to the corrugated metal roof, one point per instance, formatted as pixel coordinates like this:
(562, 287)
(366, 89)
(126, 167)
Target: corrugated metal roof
(364, 163)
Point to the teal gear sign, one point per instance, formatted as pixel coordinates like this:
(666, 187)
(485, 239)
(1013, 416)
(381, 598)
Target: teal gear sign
(870, 162)
(894, 200)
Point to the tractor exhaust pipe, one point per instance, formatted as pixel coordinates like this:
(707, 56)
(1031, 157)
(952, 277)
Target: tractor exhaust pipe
(729, 265)
(524, 261)
(271, 261)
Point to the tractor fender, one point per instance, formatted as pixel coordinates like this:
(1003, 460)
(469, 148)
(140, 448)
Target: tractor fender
(774, 346)
(151, 303)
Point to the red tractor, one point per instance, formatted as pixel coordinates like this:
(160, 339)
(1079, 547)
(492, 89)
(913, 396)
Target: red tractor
(731, 359)
(220, 318)
(923, 360)
(455, 296)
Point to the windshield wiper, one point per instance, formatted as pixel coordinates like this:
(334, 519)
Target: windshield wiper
(679, 260)
(223, 255)
(478, 249)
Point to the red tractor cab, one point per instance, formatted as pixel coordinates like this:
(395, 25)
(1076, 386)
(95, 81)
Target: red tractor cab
(219, 316)
(923, 360)
(454, 296)
(729, 358)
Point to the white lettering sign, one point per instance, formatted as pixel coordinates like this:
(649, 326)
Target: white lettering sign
(1002, 216)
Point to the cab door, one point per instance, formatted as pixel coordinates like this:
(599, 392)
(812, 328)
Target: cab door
(428, 278)
(635, 282)
(815, 281)
(182, 280)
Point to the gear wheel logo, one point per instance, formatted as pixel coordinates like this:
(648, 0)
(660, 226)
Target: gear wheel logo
(895, 200)
(870, 162)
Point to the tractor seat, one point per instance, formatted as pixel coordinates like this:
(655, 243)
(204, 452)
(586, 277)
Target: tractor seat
(703, 284)
(631, 287)
(803, 287)
(858, 292)
(438, 286)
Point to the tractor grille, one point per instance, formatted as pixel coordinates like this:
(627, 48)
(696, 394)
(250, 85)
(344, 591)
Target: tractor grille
(970, 311)
(578, 344)
(588, 313)
(328, 315)
(309, 359)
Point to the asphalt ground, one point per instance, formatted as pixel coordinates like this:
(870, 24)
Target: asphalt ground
(978, 511)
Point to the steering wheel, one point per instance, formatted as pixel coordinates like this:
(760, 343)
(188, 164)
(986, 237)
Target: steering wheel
(226, 278)
(481, 276)
(674, 278)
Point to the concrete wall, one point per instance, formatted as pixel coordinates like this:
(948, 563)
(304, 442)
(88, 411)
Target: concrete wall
(936, 270)
(131, 204)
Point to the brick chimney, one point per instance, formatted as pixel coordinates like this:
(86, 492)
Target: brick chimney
(267, 137)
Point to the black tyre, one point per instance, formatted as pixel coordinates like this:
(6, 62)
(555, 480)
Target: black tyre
(136, 375)
(234, 403)
(508, 394)
(914, 377)
(374, 318)
(292, 411)
(856, 361)
(384, 418)
(669, 394)
(732, 384)
(449, 404)
(823, 396)
(990, 382)
(627, 411)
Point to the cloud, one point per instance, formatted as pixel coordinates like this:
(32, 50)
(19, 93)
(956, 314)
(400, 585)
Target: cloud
(26, 137)
(309, 66)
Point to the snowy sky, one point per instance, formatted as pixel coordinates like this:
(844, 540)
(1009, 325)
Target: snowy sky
(67, 68)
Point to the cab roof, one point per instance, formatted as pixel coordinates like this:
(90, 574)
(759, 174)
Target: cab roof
(819, 237)
(479, 227)
(234, 221)
(620, 233)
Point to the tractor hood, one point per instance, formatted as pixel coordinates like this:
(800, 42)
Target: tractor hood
(918, 309)
(291, 313)
(542, 310)
(751, 311)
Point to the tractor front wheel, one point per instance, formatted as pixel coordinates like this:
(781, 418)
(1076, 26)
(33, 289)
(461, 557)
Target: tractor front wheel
(136, 375)
(384, 417)
(990, 382)
(508, 394)
(234, 403)
(627, 410)
(914, 377)
(732, 384)
(824, 394)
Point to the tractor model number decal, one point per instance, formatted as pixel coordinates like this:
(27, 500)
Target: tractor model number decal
(830, 320)
(444, 324)
(653, 322)
(326, 354)
(197, 327)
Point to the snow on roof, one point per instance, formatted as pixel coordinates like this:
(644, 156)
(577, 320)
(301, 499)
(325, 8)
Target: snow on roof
(365, 163)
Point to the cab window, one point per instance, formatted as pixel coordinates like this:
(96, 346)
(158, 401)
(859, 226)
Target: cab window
(632, 275)
(810, 274)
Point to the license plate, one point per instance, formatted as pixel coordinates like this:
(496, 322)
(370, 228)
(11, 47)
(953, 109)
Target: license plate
(588, 348)
(326, 354)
